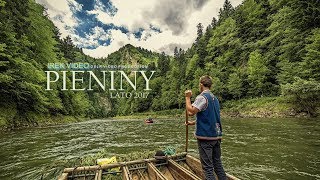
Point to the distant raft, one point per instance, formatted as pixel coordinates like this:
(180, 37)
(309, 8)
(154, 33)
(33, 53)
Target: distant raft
(148, 121)
(175, 167)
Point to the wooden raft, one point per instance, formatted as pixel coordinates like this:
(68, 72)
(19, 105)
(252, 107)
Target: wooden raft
(176, 167)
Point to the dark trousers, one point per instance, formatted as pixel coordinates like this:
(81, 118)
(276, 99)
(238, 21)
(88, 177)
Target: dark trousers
(210, 153)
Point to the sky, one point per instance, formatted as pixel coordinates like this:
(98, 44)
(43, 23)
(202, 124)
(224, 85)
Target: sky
(101, 27)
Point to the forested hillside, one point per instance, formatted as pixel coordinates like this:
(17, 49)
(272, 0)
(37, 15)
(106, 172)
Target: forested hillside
(259, 49)
(29, 41)
(262, 48)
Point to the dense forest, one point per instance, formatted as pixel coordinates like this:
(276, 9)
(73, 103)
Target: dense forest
(261, 48)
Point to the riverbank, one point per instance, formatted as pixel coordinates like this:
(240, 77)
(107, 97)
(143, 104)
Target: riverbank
(265, 107)
(10, 119)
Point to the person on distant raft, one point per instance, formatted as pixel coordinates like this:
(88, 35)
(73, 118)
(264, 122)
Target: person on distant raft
(208, 128)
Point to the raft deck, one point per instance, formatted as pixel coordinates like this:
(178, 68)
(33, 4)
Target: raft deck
(176, 167)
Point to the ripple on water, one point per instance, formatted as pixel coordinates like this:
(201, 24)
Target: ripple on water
(251, 149)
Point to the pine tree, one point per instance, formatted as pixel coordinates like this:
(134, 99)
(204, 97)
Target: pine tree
(252, 21)
(68, 48)
(226, 11)
(163, 64)
(214, 22)
(311, 60)
(305, 14)
(199, 32)
(176, 53)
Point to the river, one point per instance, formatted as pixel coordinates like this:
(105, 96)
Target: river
(251, 148)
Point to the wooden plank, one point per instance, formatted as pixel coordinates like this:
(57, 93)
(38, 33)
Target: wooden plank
(79, 169)
(141, 175)
(230, 177)
(125, 173)
(64, 176)
(98, 175)
(180, 172)
(166, 172)
(154, 173)
(196, 167)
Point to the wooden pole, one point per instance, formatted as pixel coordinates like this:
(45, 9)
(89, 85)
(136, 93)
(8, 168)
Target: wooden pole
(64, 176)
(187, 129)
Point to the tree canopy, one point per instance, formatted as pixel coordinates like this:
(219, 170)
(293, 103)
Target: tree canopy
(259, 48)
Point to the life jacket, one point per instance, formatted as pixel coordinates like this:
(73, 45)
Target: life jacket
(208, 124)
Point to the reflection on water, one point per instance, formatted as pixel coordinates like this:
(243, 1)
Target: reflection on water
(252, 148)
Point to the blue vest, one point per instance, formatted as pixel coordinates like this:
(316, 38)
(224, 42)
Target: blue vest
(208, 120)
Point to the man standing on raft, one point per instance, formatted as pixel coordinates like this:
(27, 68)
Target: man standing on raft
(208, 128)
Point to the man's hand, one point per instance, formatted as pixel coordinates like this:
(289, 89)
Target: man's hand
(190, 123)
(188, 93)
(191, 110)
(190, 114)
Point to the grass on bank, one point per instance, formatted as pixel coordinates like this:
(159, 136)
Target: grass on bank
(255, 107)
(258, 107)
(10, 119)
(266, 107)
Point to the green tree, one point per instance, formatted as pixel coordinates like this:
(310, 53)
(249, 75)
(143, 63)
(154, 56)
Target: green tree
(191, 66)
(199, 32)
(225, 38)
(163, 64)
(257, 74)
(311, 60)
(235, 85)
(303, 94)
(68, 48)
(283, 48)
(305, 15)
(226, 11)
(252, 21)
(218, 88)
(214, 23)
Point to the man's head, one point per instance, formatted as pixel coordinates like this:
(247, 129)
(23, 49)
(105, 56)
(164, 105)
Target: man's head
(205, 83)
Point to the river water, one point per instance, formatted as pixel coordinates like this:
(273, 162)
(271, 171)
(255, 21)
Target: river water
(251, 148)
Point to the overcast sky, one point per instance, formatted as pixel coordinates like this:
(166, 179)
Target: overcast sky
(101, 27)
